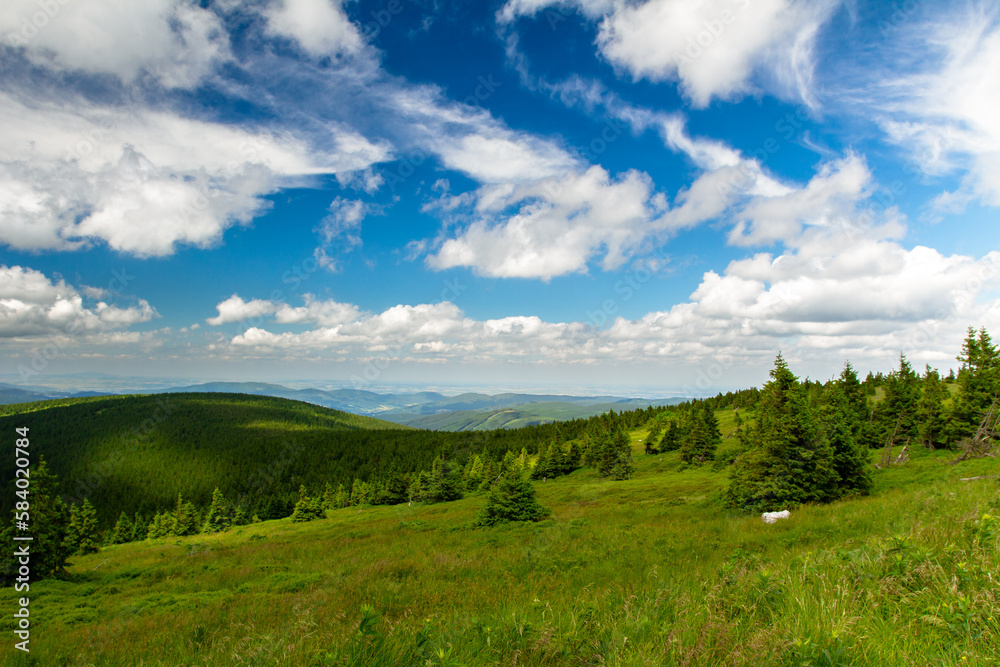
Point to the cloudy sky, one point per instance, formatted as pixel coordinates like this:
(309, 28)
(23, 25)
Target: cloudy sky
(647, 194)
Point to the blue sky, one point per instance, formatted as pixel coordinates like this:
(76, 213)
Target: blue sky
(582, 194)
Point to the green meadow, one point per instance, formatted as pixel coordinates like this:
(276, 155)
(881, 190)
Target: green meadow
(648, 571)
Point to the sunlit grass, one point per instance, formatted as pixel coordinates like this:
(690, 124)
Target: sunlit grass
(648, 571)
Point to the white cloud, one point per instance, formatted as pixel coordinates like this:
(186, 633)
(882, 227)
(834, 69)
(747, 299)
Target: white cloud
(945, 112)
(176, 41)
(319, 26)
(235, 309)
(32, 305)
(835, 298)
(340, 230)
(561, 223)
(143, 181)
(713, 48)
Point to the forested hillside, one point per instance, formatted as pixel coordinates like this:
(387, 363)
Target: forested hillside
(138, 453)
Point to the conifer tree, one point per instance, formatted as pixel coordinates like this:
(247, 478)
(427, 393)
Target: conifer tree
(671, 440)
(341, 497)
(306, 509)
(445, 482)
(85, 531)
(140, 526)
(220, 513)
(785, 458)
(122, 532)
(185, 518)
(850, 457)
(896, 413)
(703, 436)
(511, 499)
(622, 466)
(543, 467)
(931, 416)
(978, 384)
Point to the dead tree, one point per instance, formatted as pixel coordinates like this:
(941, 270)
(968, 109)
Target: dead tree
(983, 442)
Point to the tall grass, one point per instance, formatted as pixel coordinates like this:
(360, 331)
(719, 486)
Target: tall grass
(644, 572)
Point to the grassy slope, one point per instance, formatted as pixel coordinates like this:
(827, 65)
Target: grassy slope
(484, 420)
(643, 572)
(152, 446)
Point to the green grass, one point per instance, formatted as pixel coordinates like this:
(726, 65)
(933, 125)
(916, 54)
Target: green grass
(644, 572)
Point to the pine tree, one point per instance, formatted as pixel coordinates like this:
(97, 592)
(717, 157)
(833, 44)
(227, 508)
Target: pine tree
(543, 467)
(48, 525)
(220, 513)
(850, 457)
(139, 528)
(306, 509)
(896, 413)
(978, 384)
(86, 529)
(122, 532)
(328, 497)
(474, 473)
(341, 498)
(622, 467)
(445, 481)
(511, 499)
(931, 416)
(671, 440)
(185, 518)
(703, 436)
(785, 459)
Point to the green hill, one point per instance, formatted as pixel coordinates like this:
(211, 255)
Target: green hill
(523, 415)
(648, 571)
(136, 453)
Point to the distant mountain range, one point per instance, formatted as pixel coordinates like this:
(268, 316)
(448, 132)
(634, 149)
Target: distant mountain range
(427, 409)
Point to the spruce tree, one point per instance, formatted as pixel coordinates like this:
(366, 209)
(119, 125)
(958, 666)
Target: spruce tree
(671, 440)
(511, 499)
(622, 466)
(341, 497)
(978, 384)
(220, 513)
(445, 481)
(185, 518)
(850, 457)
(86, 529)
(542, 467)
(306, 509)
(931, 416)
(122, 532)
(786, 460)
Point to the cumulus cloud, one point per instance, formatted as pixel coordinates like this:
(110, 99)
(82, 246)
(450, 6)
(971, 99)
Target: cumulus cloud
(712, 48)
(320, 27)
(143, 181)
(235, 309)
(176, 41)
(835, 296)
(32, 305)
(560, 225)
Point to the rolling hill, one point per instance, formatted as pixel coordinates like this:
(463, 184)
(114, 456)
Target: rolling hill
(136, 453)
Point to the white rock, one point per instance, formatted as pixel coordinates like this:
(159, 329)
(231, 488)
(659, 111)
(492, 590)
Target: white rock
(772, 517)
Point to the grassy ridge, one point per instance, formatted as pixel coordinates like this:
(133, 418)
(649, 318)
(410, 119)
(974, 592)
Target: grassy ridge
(646, 571)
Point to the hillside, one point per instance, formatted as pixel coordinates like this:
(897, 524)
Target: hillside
(136, 453)
(645, 571)
(527, 414)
